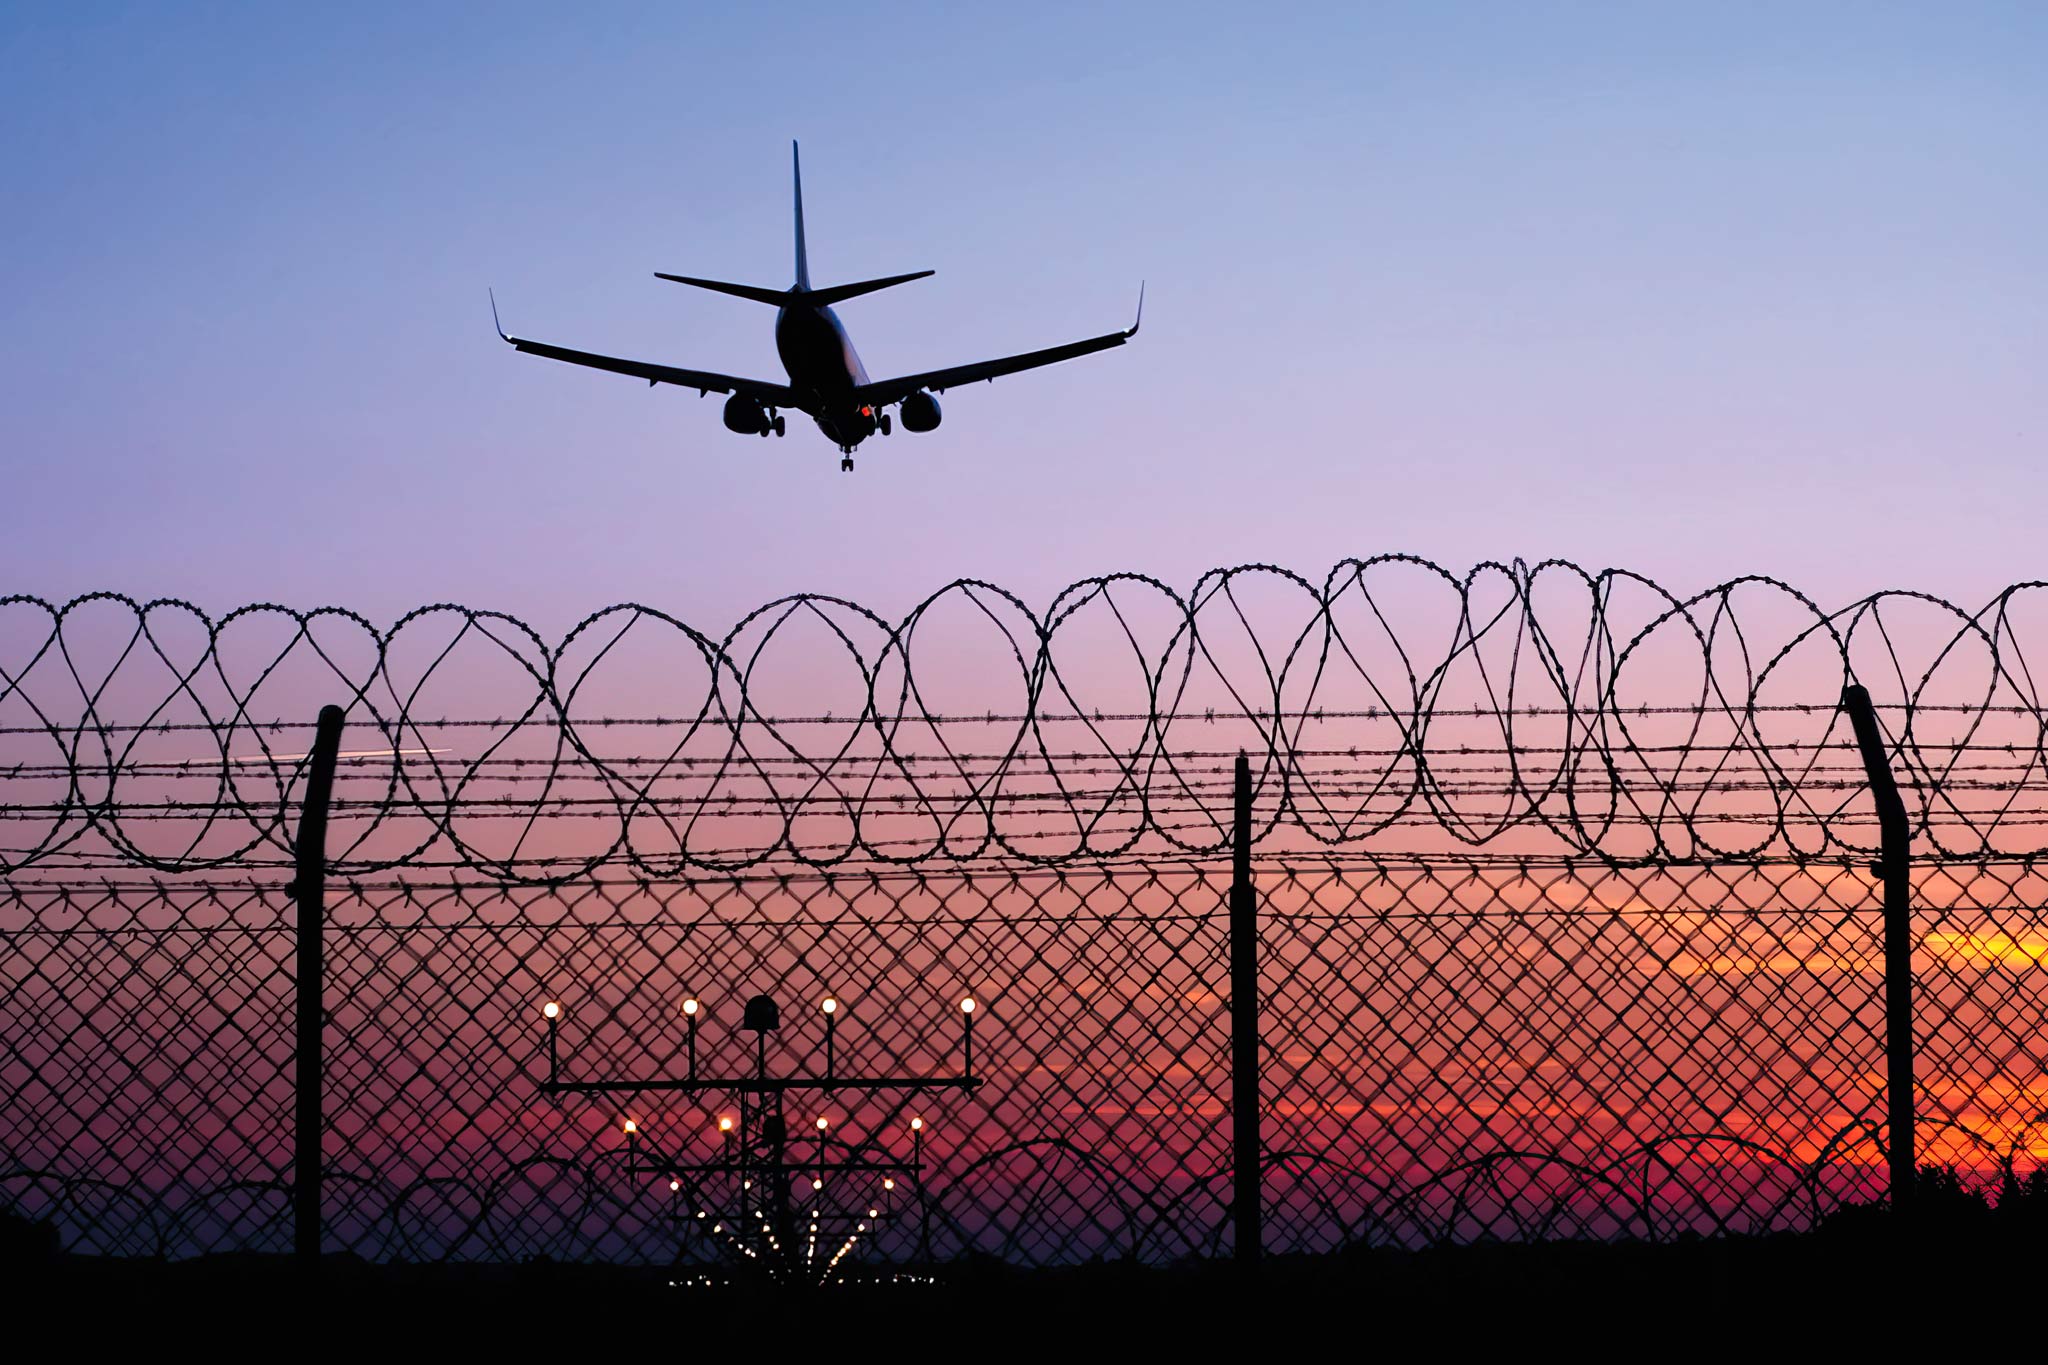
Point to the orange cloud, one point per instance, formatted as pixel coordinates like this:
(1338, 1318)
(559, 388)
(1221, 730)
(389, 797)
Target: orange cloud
(1775, 964)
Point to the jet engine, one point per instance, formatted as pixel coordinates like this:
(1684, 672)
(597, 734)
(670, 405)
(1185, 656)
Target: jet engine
(920, 412)
(744, 415)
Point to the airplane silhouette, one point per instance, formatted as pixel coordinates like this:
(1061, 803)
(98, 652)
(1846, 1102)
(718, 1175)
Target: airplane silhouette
(826, 379)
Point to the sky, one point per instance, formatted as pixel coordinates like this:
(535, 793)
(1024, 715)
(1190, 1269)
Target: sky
(1697, 290)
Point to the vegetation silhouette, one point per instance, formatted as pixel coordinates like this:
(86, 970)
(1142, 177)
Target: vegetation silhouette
(1949, 1208)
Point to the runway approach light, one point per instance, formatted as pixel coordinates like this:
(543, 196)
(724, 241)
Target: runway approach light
(725, 1125)
(917, 1125)
(967, 1005)
(823, 1124)
(632, 1127)
(690, 1005)
(829, 1005)
(552, 1009)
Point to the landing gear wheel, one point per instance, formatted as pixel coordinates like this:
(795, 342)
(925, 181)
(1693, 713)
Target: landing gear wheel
(778, 426)
(765, 430)
(846, 464)
(885, 423)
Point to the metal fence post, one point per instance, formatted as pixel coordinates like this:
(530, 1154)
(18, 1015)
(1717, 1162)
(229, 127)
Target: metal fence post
(309, 890)
(1246, 1148)
(1896, 868)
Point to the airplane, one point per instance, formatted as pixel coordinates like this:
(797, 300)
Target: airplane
(826, 379)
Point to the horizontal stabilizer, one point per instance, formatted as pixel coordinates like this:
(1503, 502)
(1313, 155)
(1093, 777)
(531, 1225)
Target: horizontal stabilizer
(773, 297)
(782, 298)
(839, 293)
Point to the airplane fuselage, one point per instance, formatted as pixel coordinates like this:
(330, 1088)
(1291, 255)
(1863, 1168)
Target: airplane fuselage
(824, 367)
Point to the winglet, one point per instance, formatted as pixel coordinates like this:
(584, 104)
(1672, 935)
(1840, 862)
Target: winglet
(1141, 311)
(494, 317)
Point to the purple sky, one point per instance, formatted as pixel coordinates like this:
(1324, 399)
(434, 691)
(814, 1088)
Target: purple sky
(1697, 290)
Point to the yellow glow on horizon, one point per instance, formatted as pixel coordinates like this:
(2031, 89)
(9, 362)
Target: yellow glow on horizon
(1991, 950)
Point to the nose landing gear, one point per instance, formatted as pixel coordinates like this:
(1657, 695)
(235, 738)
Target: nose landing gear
(846, 464)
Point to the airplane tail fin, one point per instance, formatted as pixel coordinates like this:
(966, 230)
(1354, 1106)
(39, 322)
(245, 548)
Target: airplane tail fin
(796, 172)
(782, 298)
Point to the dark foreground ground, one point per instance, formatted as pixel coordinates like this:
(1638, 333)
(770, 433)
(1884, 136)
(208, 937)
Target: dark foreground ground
(1744, 1295)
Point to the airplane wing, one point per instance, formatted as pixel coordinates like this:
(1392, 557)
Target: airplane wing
(894, 390)
(704, 381)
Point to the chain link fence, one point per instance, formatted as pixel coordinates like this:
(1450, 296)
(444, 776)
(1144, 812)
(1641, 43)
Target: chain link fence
(1569, 966)
(1448, 1054)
